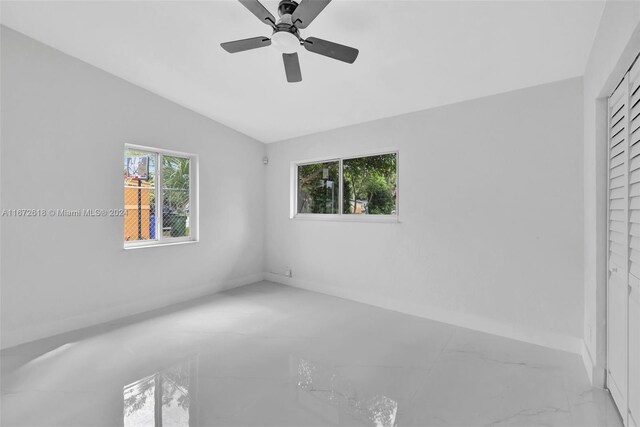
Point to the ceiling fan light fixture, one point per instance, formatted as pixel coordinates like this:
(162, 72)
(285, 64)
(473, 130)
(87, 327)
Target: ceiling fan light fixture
(285, 42)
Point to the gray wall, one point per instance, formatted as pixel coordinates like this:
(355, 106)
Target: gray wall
(491, 217)
(64, 126)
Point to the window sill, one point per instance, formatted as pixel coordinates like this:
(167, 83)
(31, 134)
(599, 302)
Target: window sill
(348, 218)
(155, 244)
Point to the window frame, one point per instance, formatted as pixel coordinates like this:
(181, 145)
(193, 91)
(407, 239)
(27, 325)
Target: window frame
(340, 216)
(160, 239)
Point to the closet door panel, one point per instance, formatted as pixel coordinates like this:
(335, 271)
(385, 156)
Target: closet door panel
(623, 260)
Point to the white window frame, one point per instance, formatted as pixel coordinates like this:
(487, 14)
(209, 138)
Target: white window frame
(160, 240)
(341, 216)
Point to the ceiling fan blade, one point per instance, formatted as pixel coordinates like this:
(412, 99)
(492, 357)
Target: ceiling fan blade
(332, 50)
(307, 11)
(245, 44)
(260, 11)
(292, 67)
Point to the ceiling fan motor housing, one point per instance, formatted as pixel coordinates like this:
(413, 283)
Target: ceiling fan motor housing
(287, 7)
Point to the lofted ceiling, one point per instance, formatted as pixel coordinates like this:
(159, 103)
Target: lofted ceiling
(414, 55)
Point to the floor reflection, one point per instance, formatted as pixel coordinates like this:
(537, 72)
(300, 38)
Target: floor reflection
(161, 399)
(324, 391)
(268, 355)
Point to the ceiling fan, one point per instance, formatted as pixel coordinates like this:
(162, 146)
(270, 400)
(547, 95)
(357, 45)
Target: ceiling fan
(286, 35)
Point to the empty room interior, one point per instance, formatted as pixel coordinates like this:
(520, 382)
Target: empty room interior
(320, 213)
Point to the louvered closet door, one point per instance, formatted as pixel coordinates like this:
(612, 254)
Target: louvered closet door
(622, 184)
(634, 252)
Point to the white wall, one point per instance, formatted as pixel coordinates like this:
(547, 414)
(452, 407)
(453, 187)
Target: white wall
(491, 204)
(64, 125)
(615, 46)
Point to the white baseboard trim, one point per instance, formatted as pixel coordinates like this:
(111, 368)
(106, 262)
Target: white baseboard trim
(131, 308)
(520, 333)
(587, 360)
(596, 374)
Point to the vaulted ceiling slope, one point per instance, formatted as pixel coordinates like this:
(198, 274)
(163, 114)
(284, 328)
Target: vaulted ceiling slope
(414, 55)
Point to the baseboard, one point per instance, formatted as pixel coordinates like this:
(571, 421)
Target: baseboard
(131, 308)
(530, 335)
(587, 360)
(596, 374)
(543, 338)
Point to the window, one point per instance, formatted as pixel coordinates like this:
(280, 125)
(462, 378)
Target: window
(348, 187)
(318, 189)
(159, 197)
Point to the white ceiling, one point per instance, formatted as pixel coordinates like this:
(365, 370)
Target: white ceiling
(413, 55)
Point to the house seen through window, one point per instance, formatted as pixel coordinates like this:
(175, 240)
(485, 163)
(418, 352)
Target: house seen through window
(158, 202)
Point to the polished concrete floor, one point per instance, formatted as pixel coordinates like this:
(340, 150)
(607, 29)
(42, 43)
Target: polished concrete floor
(267, 354)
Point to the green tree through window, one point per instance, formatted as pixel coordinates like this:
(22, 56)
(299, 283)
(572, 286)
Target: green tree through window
(369, 186)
